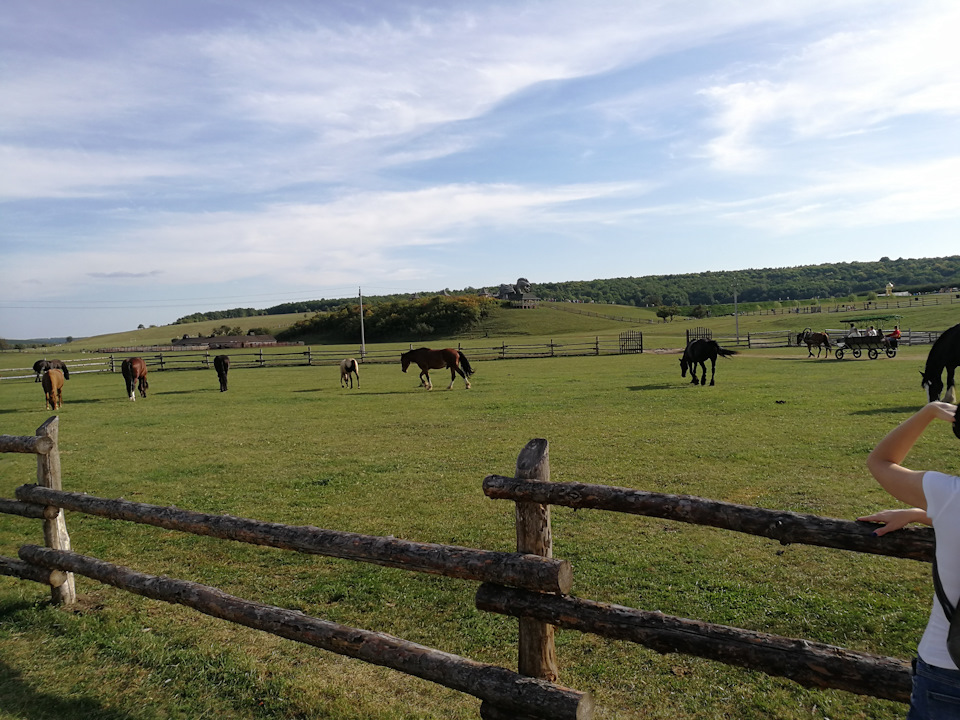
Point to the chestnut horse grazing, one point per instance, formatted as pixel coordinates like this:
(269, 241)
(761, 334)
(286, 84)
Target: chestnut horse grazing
(429, 360)
(349, 368)
(53, 388)
(135, 375)
(221, 364)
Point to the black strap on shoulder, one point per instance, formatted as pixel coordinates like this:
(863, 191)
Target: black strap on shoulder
(948, 609)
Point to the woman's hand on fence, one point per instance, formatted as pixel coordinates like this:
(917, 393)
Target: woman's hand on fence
(895, 519)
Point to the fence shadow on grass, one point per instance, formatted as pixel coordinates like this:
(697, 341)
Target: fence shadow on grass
(907, 410)
(28, 703)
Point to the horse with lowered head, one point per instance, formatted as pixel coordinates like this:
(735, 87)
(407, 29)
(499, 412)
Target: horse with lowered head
(348, 368)
(221, 363)
(811, 339)
(134, 372)
(428, 360)
(53, 388)
(40, 366)
(698, 352)
(944, 355)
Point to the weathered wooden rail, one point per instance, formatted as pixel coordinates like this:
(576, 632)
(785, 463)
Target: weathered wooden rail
(529, 584)
(807, 663)
(503, 693)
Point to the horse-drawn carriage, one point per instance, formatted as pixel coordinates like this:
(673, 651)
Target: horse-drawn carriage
(872, 344)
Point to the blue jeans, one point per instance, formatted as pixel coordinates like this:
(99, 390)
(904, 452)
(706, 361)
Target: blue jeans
(936, 693)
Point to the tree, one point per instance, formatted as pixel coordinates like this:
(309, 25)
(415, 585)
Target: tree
(667, 311)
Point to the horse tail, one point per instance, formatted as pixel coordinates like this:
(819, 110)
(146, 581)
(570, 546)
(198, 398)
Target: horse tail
(465, 364)
(723, 352)
(66, 373)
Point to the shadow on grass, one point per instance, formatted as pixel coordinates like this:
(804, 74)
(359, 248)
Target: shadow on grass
(908, 410)
(653, 386)
(29, 703)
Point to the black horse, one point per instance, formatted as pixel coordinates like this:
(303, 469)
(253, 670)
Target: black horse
(698, 352)
(41, 366)
(222, 365)
(945, 353)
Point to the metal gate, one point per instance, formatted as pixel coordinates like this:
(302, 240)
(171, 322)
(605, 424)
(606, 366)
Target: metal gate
(631, 342)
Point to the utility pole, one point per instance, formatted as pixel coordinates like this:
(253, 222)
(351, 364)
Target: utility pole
(736, 315)
(363, 345)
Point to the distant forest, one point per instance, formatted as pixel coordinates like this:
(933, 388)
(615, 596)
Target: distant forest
(836, 280)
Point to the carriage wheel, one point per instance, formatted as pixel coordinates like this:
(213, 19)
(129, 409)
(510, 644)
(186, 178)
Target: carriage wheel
(838, 353)
(891, 352)
(873, 353)
(856, 352)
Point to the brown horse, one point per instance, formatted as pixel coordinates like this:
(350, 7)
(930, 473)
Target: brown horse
(53, 388)
(429, 360)
(349, 368)
(221, 364)
(810, 338)
(135, 376)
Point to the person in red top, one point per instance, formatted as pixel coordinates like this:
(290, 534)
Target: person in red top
(896, 333)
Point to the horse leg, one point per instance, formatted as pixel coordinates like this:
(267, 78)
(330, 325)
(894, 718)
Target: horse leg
(703, 373)
(951, 396)
(713, 370)
(425, 379)
(810, 350)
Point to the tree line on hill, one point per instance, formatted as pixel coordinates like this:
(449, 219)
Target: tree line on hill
(832, 280)
(395, 319)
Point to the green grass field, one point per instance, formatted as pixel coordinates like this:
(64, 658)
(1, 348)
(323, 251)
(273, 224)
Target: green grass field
(289, 445)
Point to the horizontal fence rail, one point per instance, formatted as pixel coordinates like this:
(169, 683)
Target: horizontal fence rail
(515, 569)
(807, 663)
(783, 526)
(503, 688)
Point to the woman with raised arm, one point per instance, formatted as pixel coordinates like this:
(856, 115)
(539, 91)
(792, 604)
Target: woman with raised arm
(934, 498)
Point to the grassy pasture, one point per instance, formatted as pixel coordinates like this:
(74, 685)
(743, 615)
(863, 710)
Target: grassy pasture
(289, 445)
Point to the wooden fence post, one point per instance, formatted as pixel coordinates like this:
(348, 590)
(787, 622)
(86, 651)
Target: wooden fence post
(537, 654)
(54, 526)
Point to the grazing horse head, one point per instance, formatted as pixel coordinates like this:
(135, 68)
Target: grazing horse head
(683, 365)
(348, 368)
(933, 385)
(404, 361)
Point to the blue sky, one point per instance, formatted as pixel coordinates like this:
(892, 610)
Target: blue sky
(158, 159)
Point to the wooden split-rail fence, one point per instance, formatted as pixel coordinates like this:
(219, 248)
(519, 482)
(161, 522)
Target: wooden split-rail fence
(529, 584)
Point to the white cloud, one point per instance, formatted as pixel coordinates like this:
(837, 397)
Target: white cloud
(849, 82)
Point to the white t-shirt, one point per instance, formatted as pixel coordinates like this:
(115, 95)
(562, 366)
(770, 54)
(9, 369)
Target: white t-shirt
(943, 508)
